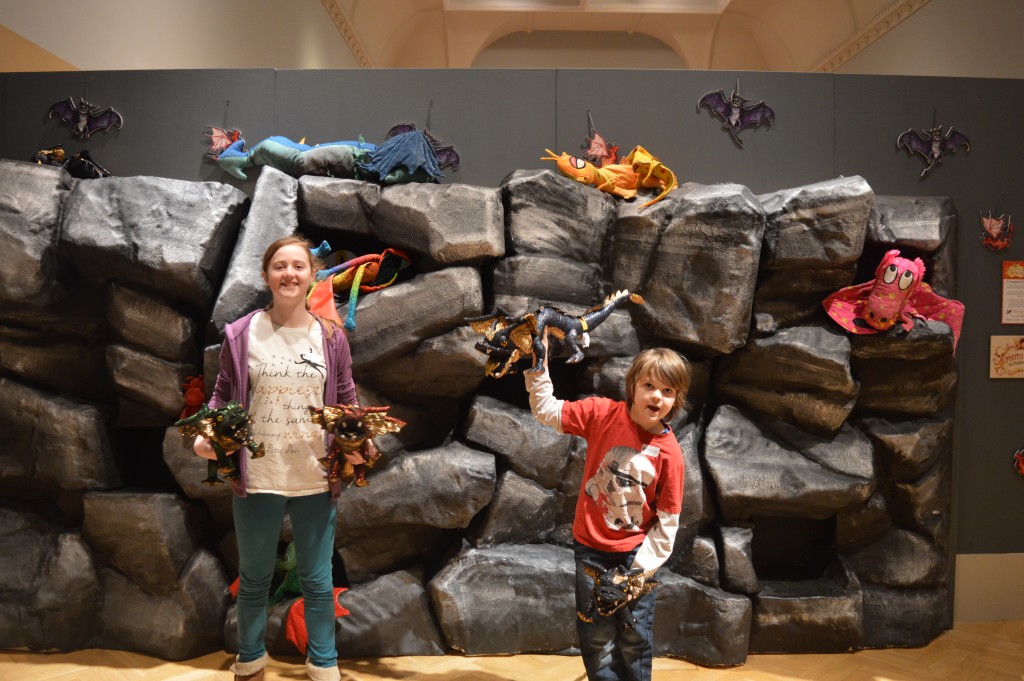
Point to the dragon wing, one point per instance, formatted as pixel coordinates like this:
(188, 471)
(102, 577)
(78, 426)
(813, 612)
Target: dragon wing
(914, 143)
(717, 103)
(927, 304)
(221, 139)
(846, 305)
(65, 110)
(756, 115)
(101, 121)
(953, 140)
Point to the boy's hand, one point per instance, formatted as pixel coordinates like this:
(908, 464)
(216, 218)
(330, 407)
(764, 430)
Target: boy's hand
(544, 342)
(203, 448)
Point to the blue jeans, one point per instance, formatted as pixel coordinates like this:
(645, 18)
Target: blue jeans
(611, 653)
(258, 519)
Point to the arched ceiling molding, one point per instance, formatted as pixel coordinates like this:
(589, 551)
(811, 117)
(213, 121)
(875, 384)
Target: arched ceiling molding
(879, 25)
(392, 48)
(341, 19)
(470, 33)
(775, 53)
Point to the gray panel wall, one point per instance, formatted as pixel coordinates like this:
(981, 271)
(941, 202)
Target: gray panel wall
(501, 120)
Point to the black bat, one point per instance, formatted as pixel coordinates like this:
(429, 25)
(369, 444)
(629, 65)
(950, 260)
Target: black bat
(735, 113)
(84, 118)
(932, 145)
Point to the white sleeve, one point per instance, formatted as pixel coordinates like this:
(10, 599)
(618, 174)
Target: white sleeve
(657, 546)
(543, 404)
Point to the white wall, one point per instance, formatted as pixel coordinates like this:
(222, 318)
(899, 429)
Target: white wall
(182, 34)
(969, 38)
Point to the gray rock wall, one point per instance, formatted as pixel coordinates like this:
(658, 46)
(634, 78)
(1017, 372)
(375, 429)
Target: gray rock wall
(816, 515)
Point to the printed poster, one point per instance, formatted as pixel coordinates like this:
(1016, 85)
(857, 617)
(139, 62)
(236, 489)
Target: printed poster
(1006, 357)
(1013, 292)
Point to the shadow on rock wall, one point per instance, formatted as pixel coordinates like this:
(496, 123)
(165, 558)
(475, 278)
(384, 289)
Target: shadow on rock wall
(816, 516)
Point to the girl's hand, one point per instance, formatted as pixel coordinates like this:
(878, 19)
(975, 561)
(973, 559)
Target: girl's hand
(203, 448)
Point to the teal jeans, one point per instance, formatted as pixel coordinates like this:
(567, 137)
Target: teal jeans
(258, 519)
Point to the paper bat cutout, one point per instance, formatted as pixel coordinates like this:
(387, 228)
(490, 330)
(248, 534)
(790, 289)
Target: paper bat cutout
(84, 118)
(896, 295)
(932, 145)
(597, 149)
(735, 113)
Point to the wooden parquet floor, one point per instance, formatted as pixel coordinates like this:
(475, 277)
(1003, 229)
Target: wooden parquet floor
(978, 651)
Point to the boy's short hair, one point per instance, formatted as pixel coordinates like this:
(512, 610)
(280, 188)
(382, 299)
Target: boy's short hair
(665, 364)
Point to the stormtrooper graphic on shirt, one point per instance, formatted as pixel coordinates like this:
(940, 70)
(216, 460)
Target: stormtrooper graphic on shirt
(619, 486)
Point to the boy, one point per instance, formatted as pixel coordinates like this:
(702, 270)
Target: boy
(630, 499)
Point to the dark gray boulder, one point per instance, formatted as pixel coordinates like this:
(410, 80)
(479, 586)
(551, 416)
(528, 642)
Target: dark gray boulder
(755, 475)
(697, 274)
(393, 321)
(442, 487)
(521, 512)
(337, 204)
(165, 235)
(148, 537)
(54, 440)
(699, 623)
(450, 223)
(812, 239)
(908, 449)
(533, 450)
(446, 366)
(144, 319)
(924, 504)
(62, 613)
(799, 374)
(272, 216)
(532, 586)
(696, 559)
(736, 548)
(60, 364)
(901, 618)
(863, 525)
(549, 214)
(384, 549)
(389, 616)
(181, 624)
(547, 277)
(905, 374)
(149, 380)
(900, 559)
(30, 209)
(815, 615)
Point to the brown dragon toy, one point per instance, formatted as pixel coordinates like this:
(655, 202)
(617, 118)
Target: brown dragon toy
(352, 426)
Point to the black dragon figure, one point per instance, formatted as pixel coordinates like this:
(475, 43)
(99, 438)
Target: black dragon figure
(228, 429)
(507, 339)
(614, 589)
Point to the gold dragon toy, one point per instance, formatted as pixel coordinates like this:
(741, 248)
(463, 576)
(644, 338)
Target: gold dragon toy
(638, 169)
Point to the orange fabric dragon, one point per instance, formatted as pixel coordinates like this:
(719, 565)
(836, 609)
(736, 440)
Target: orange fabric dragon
(640, 168)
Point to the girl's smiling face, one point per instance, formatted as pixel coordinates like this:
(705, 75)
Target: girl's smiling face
(289, 273)
(652, 400)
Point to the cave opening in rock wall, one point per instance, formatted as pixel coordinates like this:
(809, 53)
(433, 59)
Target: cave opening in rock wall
(792, 549)
(137, 453)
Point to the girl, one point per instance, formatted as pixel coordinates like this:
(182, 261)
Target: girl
(277, 362)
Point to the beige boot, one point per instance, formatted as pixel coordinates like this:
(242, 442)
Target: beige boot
(322, 673)
(250, 671)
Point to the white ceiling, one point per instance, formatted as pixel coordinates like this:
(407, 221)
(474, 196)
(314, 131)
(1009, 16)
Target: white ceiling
(913, 37)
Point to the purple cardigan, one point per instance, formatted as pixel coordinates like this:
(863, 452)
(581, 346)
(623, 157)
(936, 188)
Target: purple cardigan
(233, 379)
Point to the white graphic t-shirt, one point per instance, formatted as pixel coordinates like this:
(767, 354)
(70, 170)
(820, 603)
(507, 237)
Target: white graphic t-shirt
(286, 375)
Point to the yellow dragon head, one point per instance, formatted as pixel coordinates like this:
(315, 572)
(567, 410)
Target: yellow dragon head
(574, 168)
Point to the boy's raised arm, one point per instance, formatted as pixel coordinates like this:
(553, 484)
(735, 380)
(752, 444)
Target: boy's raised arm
(543, 404)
